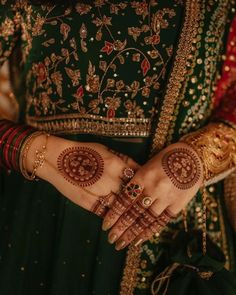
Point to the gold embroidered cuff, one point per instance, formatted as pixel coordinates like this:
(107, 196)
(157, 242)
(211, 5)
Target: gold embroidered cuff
(216, 146)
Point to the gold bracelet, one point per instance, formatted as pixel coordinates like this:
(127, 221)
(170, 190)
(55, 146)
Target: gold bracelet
(215, 144)
(39, 155)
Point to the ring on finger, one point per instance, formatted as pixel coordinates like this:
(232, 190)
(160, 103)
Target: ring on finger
(128, 173)
(133, 190)
(103, 204)
(146, 201)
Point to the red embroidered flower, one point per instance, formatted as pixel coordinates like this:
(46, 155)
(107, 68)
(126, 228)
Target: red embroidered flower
(155, 39)
(80, 92)
(111, 113)
(108, 48)
(145, 66)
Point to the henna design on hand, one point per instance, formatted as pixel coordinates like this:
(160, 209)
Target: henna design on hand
(103, 204)
(81, 166)
(183, 167)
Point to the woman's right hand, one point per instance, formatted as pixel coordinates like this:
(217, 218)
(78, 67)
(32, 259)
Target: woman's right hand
(86, 173)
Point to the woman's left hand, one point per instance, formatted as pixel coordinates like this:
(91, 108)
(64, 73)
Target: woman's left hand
(157, 193)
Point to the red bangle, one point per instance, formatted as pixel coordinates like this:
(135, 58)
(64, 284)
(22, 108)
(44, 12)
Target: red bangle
(2, 140)
(12, 136)
(8, 145)
(4, 127)
(17, 145)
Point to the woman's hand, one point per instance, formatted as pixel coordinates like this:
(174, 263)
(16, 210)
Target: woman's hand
(89, 174)
(156, 194)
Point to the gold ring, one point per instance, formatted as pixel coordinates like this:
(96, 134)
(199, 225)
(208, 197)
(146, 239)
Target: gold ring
(146, 201)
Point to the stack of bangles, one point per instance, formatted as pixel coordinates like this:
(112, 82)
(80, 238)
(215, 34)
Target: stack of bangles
(15, 141)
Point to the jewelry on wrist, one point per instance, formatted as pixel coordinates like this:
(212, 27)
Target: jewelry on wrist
(12, 136)
(39, 155)
(215, 145)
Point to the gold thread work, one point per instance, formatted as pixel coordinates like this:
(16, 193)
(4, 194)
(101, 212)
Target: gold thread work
(173, 89)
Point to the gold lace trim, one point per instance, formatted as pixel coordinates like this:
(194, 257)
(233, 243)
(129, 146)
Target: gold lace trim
(92, 124)
(178, 74)
(173, 90)
(130, 272)
(230, 198)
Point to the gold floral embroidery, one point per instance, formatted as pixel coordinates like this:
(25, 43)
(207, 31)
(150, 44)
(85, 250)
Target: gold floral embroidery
(7, 28)
(100, 90)
(200, 85)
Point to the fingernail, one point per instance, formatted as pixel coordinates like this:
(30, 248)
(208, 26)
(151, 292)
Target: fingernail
(112, 238)
(120, 245)
(138, 243)
(106, 225)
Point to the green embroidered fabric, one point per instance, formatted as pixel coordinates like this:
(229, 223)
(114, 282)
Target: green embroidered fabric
(92, 72)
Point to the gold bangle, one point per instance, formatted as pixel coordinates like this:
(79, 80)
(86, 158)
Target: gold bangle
(39, 156)
(215, 145)
(24, 152)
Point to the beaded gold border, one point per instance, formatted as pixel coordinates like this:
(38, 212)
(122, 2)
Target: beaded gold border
(192, 16)
(178, 73)
(85, 124)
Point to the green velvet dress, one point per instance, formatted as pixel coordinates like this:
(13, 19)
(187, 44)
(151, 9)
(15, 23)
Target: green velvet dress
(106, 71)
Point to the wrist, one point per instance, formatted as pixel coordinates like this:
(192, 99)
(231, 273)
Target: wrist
(35, 145)
(215, 145)
(33, 154)
(12, 138)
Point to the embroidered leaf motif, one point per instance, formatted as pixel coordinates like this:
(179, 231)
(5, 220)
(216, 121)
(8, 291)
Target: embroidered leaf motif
(64, 30)
(53, 23)
(113, 67)
(37, 29)
(121, 59)
(103, 65)
(57, 80)
(110, 83)
(73, 43)
(83, 45)
(134, 32)
(120, 84)
(48, 42)
(74, 75)
(92, 79)
(134, 88)
(82, 8)
(75, 56)
(83, 31)
(97, 22)
(99, 35)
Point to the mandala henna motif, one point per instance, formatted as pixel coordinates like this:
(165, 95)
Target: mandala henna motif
(81, 166)
(183, 167)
